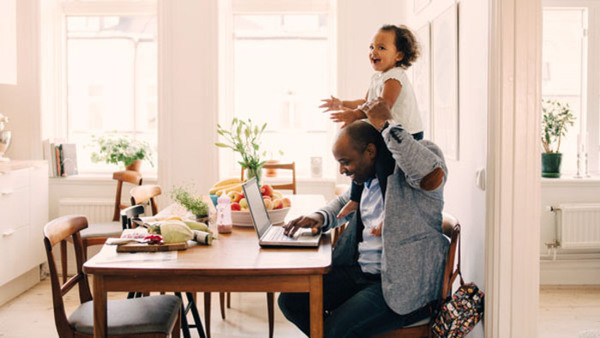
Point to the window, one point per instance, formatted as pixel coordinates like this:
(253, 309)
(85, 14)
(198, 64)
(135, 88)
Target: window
(280, 69)
(111, 72)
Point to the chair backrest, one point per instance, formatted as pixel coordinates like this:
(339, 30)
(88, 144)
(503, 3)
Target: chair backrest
(55, 232)
(127, 176)
(145, 193)
(451, 228)
(284, 166)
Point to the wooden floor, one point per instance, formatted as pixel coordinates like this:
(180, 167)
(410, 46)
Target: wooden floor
(564, 312)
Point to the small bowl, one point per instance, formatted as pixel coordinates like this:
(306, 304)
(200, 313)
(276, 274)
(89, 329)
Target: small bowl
(243, 218)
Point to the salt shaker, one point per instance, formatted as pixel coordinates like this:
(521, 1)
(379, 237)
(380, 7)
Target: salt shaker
(224, 223)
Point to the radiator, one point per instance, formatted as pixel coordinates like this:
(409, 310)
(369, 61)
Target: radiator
(578, 226)
(96, 210)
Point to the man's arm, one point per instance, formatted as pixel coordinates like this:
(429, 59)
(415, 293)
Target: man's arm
(424, 168)
(321, 220)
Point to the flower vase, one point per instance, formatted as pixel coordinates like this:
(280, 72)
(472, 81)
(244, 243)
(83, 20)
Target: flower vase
(255, 172)
(135, 166)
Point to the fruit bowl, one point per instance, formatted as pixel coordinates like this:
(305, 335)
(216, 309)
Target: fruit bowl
(243, 218)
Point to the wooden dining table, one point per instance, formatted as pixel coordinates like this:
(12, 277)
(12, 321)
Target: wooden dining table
(233, 263)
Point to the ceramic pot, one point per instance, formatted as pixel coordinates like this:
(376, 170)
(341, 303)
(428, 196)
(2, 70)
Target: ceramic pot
(551, 165)
(271, 172)
(135, 166)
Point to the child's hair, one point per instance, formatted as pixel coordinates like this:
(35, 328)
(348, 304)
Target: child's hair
(406, 43)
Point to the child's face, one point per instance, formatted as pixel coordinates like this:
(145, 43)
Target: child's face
(384, 54)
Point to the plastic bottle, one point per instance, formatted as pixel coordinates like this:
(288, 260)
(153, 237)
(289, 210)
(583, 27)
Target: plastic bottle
(224, 224)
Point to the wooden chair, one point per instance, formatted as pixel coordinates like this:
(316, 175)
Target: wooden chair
(285, 166)
(147, 194)
(422, 328)
(97, 233)
(156, 316)
(270, 295)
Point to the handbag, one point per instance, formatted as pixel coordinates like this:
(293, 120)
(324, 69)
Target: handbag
(459, 314)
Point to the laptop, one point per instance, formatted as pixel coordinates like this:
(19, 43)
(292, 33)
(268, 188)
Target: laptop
(268, 234)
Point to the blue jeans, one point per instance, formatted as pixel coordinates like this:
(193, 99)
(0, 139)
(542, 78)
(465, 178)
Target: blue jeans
(353, 304)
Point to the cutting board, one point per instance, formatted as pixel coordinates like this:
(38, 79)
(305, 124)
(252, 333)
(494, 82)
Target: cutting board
(144, 247)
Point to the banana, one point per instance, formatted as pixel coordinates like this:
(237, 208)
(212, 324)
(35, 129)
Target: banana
(228, 181)
(214, 189)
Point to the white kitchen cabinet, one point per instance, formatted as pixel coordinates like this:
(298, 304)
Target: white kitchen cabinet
(23, 214)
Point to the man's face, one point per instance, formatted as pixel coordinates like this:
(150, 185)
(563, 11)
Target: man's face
(358, 165)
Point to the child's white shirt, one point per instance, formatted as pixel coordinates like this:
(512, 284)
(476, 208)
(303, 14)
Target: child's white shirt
(405, 110)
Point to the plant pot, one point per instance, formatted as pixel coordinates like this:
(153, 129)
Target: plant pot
(551, 165)
(135, 166)
(271, 172)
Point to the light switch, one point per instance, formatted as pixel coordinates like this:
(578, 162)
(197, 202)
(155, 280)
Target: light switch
(480, 178)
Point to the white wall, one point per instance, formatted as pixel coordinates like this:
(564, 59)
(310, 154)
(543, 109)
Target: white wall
(462, 196)
(21, 102)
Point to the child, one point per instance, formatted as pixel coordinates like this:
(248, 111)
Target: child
(393, 49)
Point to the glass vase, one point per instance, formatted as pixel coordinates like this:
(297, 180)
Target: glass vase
(254, 172)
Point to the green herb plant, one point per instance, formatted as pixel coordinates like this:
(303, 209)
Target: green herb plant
(189, 201)
(556, 118)
(120, 149)
(244, 137)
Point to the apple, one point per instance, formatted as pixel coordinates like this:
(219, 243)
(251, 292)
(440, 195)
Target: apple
(278, 204)
(235, 196)
(286, 202)
(266, 190)
(235, 206)
(267, 198)
(243, 203)
(268, 204)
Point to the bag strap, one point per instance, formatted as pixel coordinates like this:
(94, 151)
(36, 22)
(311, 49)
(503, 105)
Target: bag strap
(462, 282)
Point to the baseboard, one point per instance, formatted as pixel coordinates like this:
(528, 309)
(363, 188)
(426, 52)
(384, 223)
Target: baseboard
(19, 285)
(570, 272)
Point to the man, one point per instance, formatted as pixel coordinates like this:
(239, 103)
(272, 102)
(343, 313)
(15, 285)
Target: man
(388, 265)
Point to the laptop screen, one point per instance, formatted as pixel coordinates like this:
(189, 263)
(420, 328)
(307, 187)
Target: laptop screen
(257, 206)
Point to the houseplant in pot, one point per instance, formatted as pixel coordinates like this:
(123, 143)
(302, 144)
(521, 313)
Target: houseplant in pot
(556, 118)
(118, 149)
(243, 137)
(191, 202)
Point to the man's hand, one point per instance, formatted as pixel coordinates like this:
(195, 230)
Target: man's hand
(347, 116)
(379, 113)
(331, 104)
(313, 221)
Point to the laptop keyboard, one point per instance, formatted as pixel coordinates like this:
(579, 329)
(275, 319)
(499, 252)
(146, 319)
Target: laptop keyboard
(275, 234)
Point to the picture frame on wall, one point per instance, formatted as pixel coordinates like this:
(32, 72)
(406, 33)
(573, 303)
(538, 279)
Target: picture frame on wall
(421, 70)
(444, 67)
(419, 5)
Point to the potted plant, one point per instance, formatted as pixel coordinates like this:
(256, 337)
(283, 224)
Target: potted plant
(121, 149)
(244, 137)
(192, 203)
(556, 118)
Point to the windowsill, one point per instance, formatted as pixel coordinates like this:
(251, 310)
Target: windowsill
(569, 179)
(94, 179)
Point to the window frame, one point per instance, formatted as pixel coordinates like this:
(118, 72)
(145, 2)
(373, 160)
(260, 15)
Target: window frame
(228, 166)
(57, 115)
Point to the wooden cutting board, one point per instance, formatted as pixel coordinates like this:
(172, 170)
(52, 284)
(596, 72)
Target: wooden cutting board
(145, 247)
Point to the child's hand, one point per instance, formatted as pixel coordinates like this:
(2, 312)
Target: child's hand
(347, 209)
(376, 231)
(347, 116)
(331, 104)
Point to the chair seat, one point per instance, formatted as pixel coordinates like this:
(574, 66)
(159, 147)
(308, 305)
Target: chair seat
(155, 314)
(104, 229)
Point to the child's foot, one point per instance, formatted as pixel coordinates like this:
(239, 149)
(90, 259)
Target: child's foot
(350, 207)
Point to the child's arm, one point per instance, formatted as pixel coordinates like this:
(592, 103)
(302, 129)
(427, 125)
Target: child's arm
(391, 91)
(334, 103)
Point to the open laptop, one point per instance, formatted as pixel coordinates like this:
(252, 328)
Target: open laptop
(268, 234)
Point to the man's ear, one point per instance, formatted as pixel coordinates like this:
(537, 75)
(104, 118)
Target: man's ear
(371, 150)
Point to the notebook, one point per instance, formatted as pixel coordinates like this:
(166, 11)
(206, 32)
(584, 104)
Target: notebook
(268, 234)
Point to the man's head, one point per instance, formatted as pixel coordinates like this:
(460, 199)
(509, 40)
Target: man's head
(355, 149)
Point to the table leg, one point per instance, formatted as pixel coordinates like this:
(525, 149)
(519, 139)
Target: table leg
(207, 299)
(99, 294)
(316, 306)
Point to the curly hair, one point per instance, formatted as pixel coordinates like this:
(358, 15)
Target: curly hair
(405, 42)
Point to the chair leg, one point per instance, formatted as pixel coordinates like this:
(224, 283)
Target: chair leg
(222, 304)
(184, 323)
(207, 313)
(271, 311)
(63, 260)
(195, 315)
